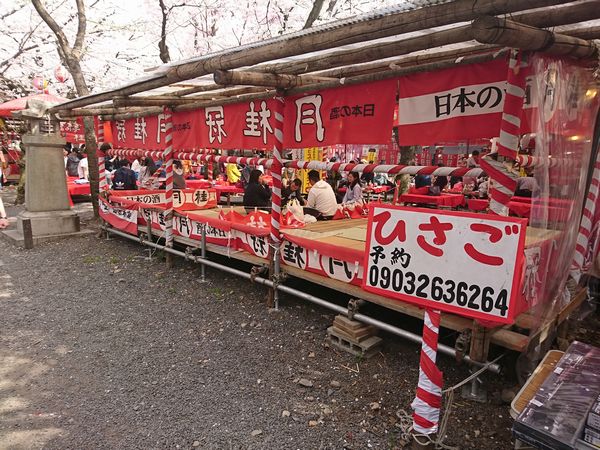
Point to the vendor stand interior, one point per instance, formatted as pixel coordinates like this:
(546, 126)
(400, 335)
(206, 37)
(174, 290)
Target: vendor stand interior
(274, 95)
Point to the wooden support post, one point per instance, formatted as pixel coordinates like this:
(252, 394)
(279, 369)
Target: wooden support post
(480, 346)
(27, 234)
(494, 30)
(480, 343)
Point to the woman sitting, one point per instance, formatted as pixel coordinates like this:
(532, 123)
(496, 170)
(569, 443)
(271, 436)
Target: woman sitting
(354, 191)
(145, 177)
(257, 193)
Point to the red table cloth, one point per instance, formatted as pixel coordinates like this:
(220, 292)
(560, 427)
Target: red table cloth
(448, 200)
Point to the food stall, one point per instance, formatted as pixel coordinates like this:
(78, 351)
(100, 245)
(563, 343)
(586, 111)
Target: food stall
(494, 279)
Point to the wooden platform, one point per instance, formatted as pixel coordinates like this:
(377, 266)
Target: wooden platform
(351, 233)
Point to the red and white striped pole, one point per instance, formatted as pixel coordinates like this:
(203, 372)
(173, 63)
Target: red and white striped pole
(168, 161)
(428, 401)
(210, 167)
(588, 228)
(276, 169)
(504, 182)
(103, 182)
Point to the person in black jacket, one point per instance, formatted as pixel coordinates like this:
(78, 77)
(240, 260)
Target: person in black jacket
(257, 193)
(293, 191)
(124, 178)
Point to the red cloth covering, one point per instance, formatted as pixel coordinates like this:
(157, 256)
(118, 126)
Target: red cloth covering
(198, 184)
(450, 200)
(477, 204)
(419, 191)
(323, 248)
(228, 189)
(377, 189)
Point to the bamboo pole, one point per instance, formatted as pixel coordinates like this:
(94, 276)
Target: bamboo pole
(493, 30)
(321, 38)
(282, 81)
(553, 17)
(321, 65)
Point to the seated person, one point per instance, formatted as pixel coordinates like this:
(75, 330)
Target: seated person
(368, 177)
(257, 193)
(178, 180)
(233, 173)
(381, 179)
(292, 192)
(124, 178)
(321, 201)
(527, 186)
(439, 185)
(422, 181)
(483, 188)
(354, 191)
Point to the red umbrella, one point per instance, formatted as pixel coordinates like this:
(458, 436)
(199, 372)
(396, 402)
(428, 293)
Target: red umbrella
(20, 104)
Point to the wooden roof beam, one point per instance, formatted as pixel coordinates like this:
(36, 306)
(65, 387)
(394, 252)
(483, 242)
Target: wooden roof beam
(494, 30)
(320, 38)
(282, 81)
(320, 67)
(582, 11)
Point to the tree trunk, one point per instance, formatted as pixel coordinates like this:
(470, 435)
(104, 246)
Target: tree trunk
(91, 145)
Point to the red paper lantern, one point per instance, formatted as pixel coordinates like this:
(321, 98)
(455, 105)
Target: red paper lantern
(61, 74)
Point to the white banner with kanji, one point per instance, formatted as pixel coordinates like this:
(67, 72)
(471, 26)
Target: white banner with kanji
(123, 218)
(468, 264)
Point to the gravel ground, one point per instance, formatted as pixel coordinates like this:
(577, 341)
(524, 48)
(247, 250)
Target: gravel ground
(102, 348)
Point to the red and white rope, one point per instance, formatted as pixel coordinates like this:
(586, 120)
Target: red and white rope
(504, 182)
(276, 170)
(103, 182)
(316, 165)
(168, 162)
(428, 401)
(588, 238)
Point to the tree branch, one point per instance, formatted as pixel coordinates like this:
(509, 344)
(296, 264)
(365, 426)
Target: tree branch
(10, 13)
(314, 13)
(60, 36)
(162, 44)
(81, 26)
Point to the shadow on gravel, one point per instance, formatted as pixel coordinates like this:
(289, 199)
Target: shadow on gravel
(21, 427)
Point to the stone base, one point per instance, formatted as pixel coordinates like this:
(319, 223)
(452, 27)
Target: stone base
(16, 238)
(49, 223)
(46, 226)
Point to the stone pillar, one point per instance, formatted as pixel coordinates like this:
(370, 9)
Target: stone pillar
(46, 196)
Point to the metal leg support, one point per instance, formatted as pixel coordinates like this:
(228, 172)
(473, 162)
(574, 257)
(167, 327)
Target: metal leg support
(203, 254)
(149, 233)
(276, 277)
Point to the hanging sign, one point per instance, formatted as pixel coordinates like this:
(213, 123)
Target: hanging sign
(360, 114)
(249, 125)
(468, 264)
(146, 133)
(455, 104)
